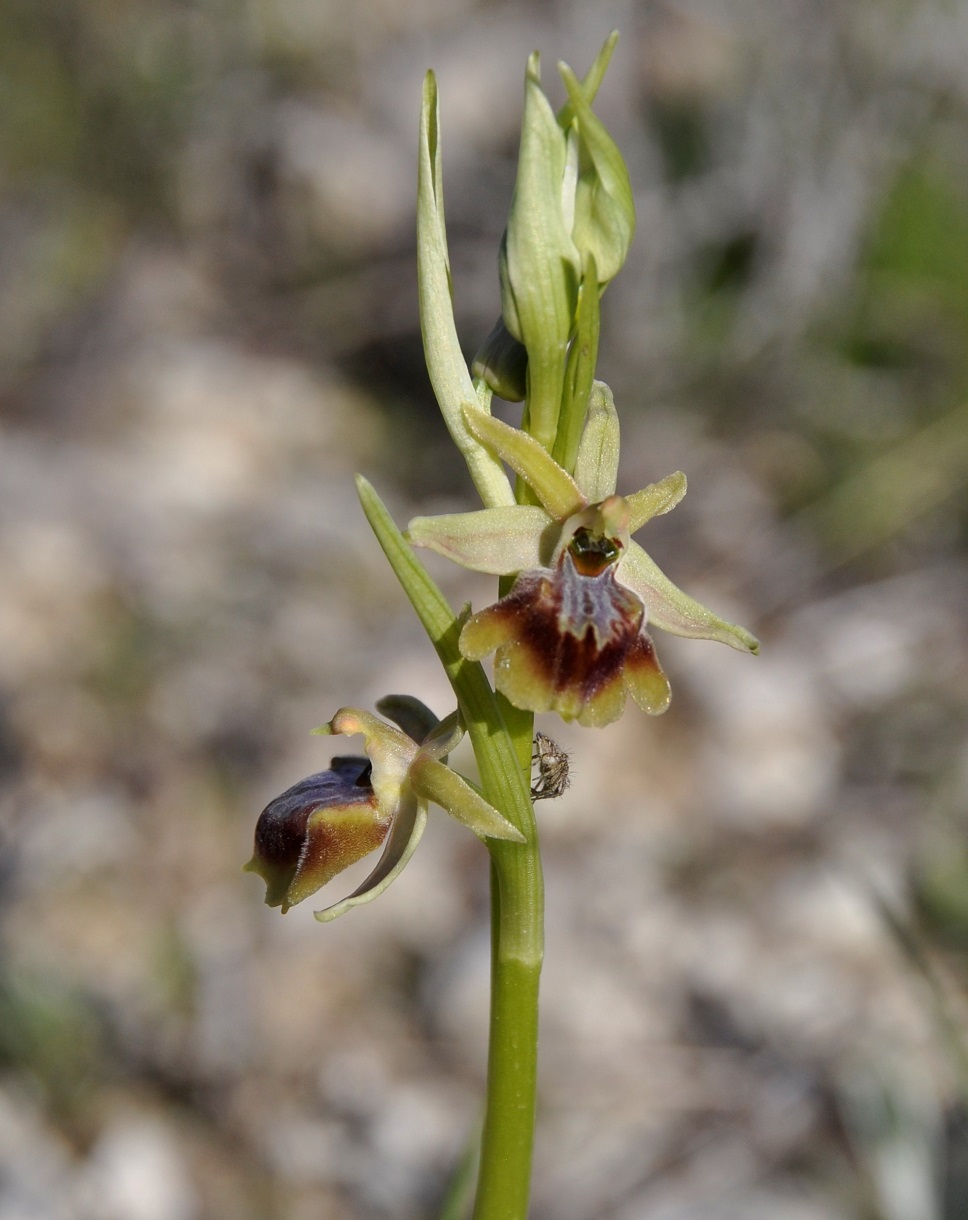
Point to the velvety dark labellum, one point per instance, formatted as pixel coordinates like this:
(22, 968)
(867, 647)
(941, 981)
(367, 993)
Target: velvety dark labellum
(281, 828)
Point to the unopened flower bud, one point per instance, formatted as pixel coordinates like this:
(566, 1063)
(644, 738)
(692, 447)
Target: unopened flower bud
(502, 362)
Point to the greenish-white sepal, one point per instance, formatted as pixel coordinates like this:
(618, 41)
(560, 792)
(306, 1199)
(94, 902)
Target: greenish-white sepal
(495, 540)
(445, 361)
(554, 487)
(432, 781)
(405, 833)
(412, 715)
(604, 206)
(654, 500)
(596, 467)
(540, 265)
(674, 611)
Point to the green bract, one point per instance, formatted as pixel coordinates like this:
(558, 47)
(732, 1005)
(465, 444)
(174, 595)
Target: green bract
(445, 361)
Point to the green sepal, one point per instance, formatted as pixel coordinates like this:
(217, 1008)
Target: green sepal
(406, 832)
(445, 362)
(554, 487)
(496, 540)
(596, 467)
(674, 611)
(432, 781)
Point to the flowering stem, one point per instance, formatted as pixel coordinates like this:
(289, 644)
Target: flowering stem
(517, 909)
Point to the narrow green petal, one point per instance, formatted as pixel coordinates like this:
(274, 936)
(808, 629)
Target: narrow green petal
(432, 781)
(405, 833)
(554, 487)
(656, 499)
(445, 361)
(495, 540)
(674, 611)
(596, 469)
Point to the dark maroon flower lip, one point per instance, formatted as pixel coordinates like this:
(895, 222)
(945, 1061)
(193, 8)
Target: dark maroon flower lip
(281, 829)
(570, 643)
(576, 628)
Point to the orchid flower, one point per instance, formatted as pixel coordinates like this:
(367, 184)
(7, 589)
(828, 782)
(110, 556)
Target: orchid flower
(323, 824)
(571, 634)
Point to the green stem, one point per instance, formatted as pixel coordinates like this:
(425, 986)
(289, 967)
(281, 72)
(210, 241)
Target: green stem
(504, 1179)
(517, 948)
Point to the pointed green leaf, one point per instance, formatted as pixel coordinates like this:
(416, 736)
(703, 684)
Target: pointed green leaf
(592, 80)
(498, 763)
(580, 370)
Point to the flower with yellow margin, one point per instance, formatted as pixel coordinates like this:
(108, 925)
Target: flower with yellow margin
(570, 636)
(322, 825)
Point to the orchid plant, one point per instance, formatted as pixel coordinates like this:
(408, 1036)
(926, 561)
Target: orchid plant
(574, 599)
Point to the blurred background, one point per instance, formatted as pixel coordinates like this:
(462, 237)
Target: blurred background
(755, 993)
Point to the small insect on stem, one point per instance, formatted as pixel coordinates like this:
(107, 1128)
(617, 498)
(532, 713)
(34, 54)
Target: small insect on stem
(553, 777)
